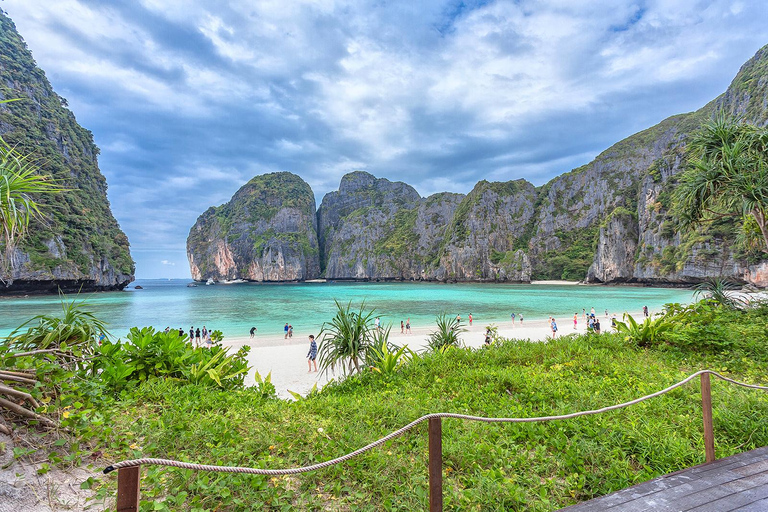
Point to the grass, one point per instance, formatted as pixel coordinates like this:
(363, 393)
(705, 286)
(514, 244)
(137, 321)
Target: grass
(537, 466)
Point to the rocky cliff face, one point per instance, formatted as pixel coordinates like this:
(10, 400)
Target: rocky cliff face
(665, 254)
(482, 240)
(266, 232)
(370, 229)
(80, 243)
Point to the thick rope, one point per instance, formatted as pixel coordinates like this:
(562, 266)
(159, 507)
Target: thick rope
(401, 431)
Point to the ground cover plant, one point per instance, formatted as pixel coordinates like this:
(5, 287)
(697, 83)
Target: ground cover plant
(487, 467)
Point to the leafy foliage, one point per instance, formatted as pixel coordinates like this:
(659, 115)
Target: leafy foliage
(148, 354)
(448, 333)
(648, 333)
(720, 292)
(345, 340)
(728, 175)
(19, 184)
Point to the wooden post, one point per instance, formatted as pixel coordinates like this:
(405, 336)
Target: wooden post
(128, 493)
(435, 465)
(706, 405)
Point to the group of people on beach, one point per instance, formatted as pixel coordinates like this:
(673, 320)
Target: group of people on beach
(197, 336)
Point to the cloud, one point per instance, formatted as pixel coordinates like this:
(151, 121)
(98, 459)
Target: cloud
(166, 262)
(188, 100)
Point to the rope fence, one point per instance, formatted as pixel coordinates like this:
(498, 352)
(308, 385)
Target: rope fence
(128, 485)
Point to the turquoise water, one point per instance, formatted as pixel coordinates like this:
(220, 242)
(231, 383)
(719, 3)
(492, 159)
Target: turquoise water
(233, 309)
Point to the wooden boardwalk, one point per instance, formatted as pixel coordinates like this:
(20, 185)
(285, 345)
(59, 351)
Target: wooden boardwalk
(737, 483)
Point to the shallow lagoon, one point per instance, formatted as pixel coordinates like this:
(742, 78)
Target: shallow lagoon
(235, 308)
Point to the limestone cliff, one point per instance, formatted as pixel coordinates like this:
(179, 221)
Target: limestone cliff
(377, 229)
(665, 254)
(482, 240)
(266, 232)
(79, 244)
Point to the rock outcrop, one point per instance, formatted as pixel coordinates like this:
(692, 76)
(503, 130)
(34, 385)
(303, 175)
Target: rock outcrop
(79, 245)
(377, 229)
(266, 232)
(482, 242)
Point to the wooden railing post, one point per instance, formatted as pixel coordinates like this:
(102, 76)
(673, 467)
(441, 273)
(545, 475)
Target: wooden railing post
(128, 480)
(435, 465)
(706, 405)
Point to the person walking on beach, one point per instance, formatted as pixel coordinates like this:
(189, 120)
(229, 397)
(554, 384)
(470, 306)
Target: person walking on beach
(521, 319)
(377, 323)
(286, 331)
(312, 354)
(197, 335)
(575, 320)
(253, 332)
(192, 334)
(597, 325)
(488, 336)
(208, 339)
(290, 331)
(458, 318)
(645, 311)
(408, 326)
(205, 333)
(470, 319)
(553, 326)
(513, 319)
(402, 327)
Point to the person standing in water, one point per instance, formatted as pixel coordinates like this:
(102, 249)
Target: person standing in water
(285, 329)
(253, 332)
(408, 326)
(402, 327)
(312, 354)
(575, 320)
(470, 319)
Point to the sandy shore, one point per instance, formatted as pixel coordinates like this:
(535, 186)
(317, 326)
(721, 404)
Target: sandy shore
(286, 358)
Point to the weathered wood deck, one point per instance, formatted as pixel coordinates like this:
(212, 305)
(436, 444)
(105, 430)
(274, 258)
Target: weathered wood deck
(737, 483)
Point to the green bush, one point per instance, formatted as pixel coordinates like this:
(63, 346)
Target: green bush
(149, 353)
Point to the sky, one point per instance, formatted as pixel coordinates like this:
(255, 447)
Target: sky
(189, 99)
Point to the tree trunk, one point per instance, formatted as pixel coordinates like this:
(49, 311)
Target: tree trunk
(762, 222)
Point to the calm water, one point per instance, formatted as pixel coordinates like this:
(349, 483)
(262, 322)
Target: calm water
(235, 308)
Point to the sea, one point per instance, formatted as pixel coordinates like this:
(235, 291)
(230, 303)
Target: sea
(235, 308)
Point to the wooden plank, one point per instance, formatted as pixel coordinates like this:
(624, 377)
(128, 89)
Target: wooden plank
(716, 481)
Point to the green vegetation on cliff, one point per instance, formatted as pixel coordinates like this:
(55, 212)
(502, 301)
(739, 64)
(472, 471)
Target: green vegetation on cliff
(40, 125)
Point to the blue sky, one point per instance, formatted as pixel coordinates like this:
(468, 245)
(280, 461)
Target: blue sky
(189, 99)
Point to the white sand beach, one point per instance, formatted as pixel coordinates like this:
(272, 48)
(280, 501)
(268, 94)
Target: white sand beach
(286, 358)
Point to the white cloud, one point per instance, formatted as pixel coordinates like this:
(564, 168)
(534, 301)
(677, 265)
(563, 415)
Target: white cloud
(166, 262)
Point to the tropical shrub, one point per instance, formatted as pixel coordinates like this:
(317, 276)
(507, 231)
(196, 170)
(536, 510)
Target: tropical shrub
(644, 334)
(345, 339)
(447, 333)
(721, 293)
(41, 358)
(386, 358)
(149, 353)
